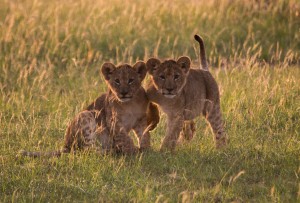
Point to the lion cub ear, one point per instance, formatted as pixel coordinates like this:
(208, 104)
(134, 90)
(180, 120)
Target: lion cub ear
(140, 68)
(107, 69)
(185, 63)
(152, 65)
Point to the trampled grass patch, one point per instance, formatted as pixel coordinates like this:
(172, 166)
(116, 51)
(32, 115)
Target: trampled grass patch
(51, 52)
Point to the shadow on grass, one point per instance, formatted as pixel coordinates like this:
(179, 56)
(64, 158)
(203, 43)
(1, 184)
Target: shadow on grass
(205, 174)
(236, 172)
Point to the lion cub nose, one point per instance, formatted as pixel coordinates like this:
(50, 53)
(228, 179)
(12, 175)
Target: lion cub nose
(123, 93)
(169, 89)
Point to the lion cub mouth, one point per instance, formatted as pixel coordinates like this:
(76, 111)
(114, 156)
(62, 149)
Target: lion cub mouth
(125, 99)
(170, 96)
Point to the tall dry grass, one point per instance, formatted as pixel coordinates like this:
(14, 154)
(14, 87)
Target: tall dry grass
(50, 54)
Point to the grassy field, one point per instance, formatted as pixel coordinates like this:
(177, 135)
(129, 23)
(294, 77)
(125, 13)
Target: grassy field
(50, 55)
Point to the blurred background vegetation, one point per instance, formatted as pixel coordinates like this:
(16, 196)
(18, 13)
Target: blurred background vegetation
(57, 33)
(46, 38)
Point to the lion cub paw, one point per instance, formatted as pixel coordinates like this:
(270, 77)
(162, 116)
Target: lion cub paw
(221, 142)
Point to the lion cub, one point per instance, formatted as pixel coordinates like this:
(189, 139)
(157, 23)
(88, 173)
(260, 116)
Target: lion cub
(126, 107)
(183, 94)
(109, 119)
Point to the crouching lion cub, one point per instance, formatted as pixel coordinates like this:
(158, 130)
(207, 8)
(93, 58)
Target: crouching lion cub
(183, 94)
(109, 119)
(126, 107)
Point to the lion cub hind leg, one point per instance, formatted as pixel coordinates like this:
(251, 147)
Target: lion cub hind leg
(80, 134)
(123, 143)
(105, 142)
(214, 117)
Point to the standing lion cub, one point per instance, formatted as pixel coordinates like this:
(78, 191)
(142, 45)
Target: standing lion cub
(183, 94)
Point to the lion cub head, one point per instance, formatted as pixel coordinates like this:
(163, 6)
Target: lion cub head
(124, 80)
(169, 76)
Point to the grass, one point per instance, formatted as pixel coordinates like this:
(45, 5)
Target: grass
(51, 52)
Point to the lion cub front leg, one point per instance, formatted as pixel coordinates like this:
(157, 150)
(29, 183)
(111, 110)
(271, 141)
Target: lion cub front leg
(141, 131)
(187, 132)
(174, 127)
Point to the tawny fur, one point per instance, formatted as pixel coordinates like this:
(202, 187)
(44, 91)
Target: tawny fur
(183, 94)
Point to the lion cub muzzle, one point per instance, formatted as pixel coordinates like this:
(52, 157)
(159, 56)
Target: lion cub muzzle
(124, 80)
(169, 77)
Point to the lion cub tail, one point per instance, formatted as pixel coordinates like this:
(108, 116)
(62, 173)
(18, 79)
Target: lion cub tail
(58, 153)
(202, 52)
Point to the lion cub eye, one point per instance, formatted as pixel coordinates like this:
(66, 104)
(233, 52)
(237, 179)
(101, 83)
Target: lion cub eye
(130, 81)
(176, 77)
(117, 81)
(162, 77)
